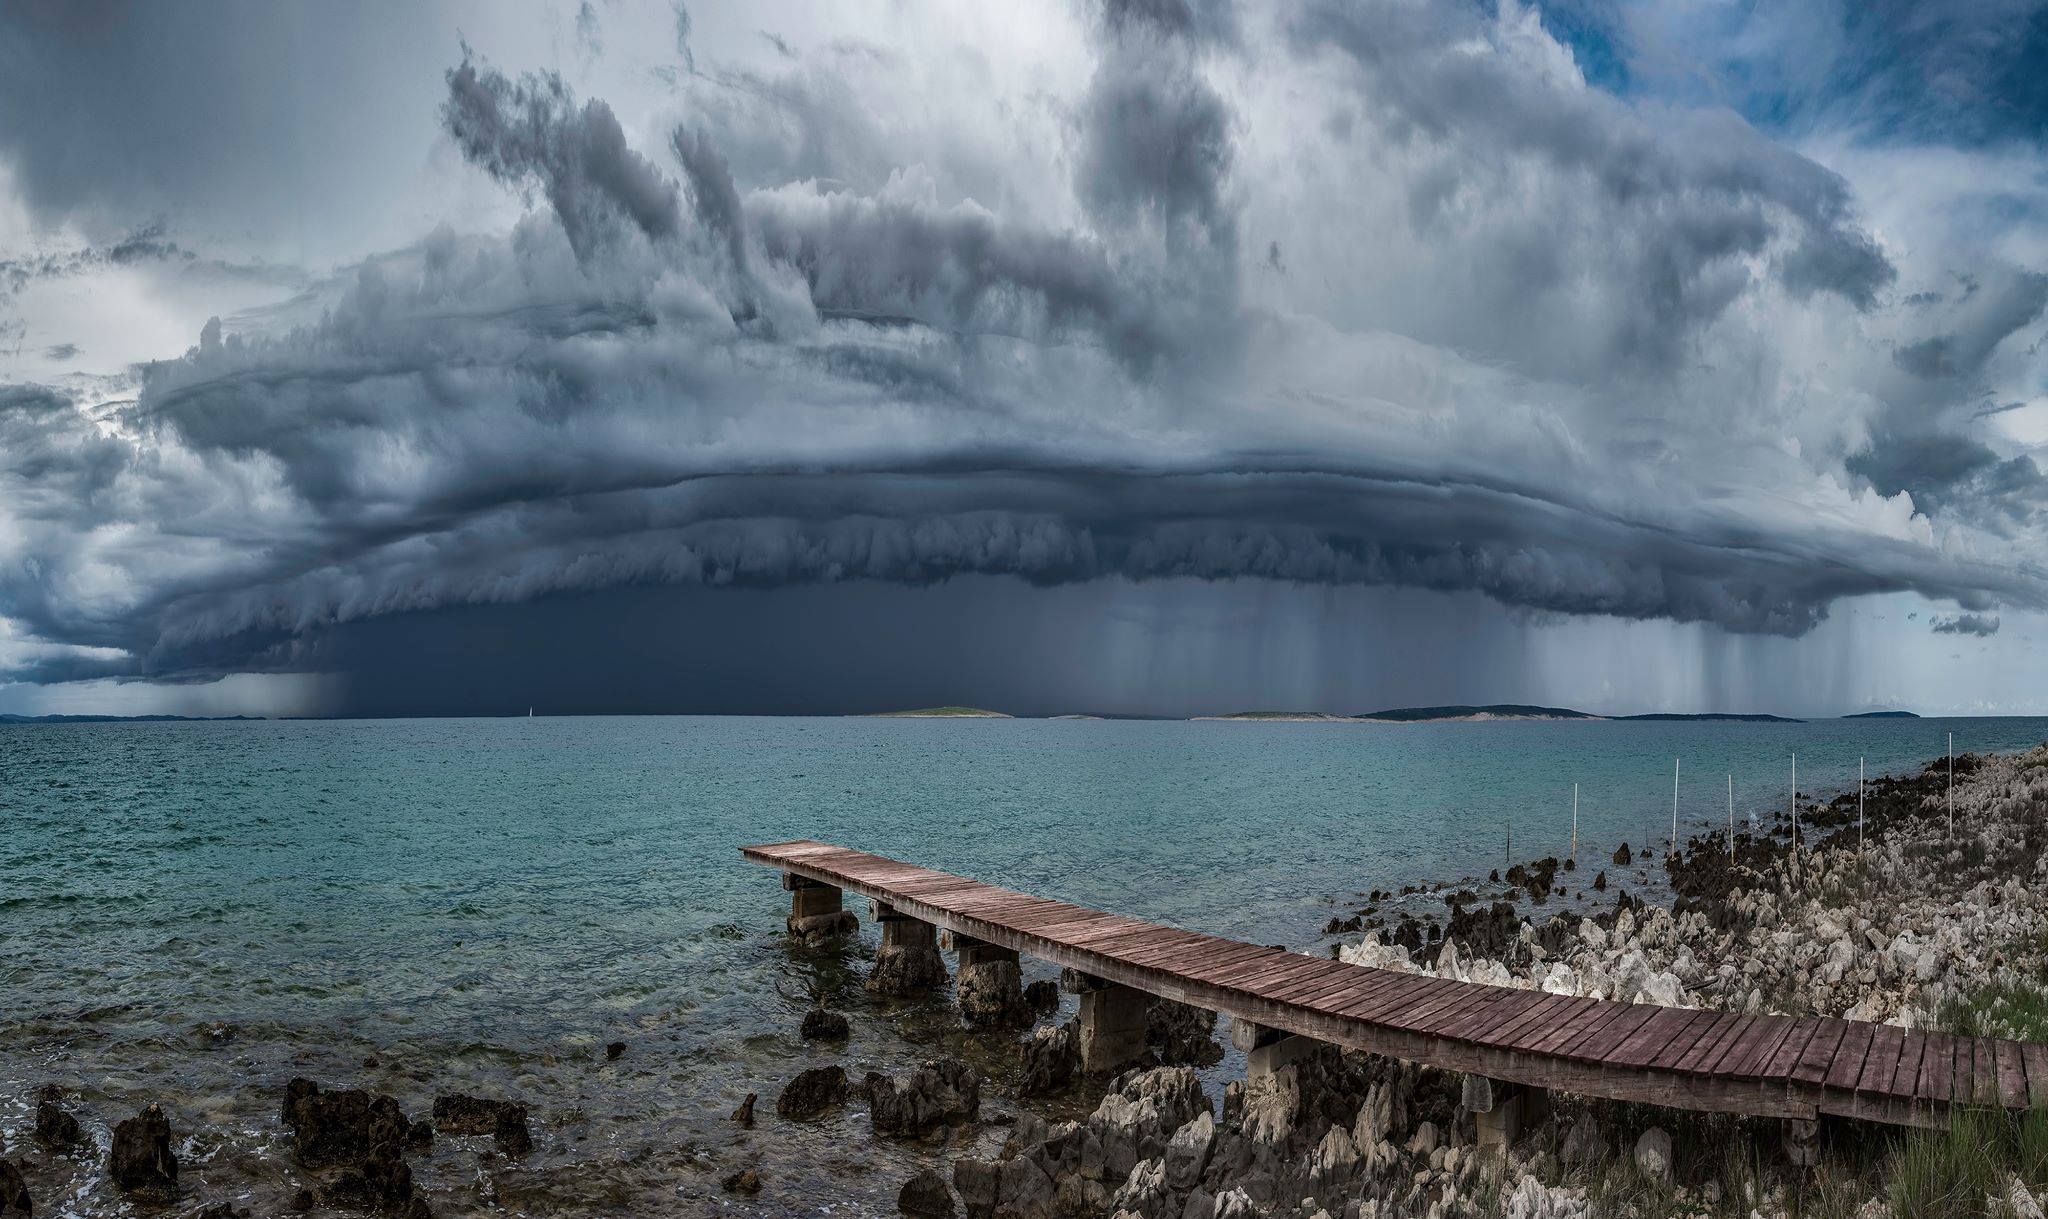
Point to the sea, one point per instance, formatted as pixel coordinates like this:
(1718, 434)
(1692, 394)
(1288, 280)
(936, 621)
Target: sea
(193, 913)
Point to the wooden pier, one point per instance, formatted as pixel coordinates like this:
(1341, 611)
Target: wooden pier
(1768, 1066)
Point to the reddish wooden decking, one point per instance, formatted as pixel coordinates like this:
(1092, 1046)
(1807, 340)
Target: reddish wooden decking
(1770, 1066)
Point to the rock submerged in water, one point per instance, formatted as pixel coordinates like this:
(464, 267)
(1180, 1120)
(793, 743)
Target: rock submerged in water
(925, 1196)
(14, 1200)
(56, 1130)
(745, 1181)
(1051, 1060)
(936, 1094)
(812, 1092)
(823, 1025)
(504, 1121)
(141, 1162)
(744, 1115)
(1043, 997)
(1622, 856)
(358, 1142)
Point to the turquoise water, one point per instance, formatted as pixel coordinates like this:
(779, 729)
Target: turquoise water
(483, 903)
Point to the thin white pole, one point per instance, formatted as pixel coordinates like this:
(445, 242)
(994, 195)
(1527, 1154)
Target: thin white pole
(1859, 807)
(1795, 814)
(1673, 849)
(1951, 784)
(1731, 815)
(1575, 825)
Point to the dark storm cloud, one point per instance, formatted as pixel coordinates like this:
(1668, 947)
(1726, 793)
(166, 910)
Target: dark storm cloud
(530, 134)
(1982, 625)
(763, 356)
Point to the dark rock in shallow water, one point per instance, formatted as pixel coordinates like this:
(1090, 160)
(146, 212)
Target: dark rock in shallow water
(340, 1129)
(381, 1182)
(613, 1051)
(303, 1200)
(14, 1200)
(1182, 1034)
(1622, 856)
(56, 1130)
(455, 1113)
(822, 1025)
(745, 1181)
(361, 1141)
(925, 1196)
(140, 1161)
(1042, 996)
(812, 1092)
(1051, 1059)
(945, 1093)
(744, 1115)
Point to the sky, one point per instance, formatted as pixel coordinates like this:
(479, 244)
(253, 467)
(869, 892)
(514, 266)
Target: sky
(1123, 356)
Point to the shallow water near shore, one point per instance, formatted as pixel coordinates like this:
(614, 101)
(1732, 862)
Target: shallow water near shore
(481, 905)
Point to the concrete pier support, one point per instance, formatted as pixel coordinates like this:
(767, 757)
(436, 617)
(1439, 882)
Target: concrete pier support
(1501, 1110)
(989, 985)
(908, 962)
(1112, 1022)
(1267, 1050)
(815, 915)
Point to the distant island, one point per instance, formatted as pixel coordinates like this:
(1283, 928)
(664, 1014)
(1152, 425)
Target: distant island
(1283, 717)
(1882, 715)
(941, 713)
(11, 718)
(1489, 713)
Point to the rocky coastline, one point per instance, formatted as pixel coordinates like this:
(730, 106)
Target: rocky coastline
(1896, 919)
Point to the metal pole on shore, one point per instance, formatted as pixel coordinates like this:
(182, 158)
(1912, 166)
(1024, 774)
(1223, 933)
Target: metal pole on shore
(1951, 784)
(1795, 814)
(1731, 815)
(1859, 807)
(1575, 825)
(1673, 848)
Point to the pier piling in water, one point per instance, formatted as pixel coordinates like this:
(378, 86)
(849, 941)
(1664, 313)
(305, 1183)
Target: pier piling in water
(815, 910)
(989, 984)
(908, 962)
(1112, 1022)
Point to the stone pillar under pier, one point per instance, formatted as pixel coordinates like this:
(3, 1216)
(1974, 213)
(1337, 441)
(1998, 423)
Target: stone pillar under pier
(815, 915)
(989, 985)
(908, 962)
(1112, 1022)
(1267, 1050)
(1500, 1110)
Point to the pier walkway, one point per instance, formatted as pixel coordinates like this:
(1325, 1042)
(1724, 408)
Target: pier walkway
(1764, 1065)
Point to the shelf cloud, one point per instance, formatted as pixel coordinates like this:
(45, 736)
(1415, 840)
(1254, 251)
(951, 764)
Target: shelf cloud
(1374, 294)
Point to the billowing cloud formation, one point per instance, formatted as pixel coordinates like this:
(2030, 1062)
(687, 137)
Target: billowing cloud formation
(1528, 339)
(1967, 624)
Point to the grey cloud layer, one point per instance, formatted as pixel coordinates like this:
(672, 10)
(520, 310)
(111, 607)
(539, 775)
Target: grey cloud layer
(683, 370)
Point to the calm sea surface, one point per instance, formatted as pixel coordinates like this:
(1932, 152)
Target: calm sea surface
(484, 904)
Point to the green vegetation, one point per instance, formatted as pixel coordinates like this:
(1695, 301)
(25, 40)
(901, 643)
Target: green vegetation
(1952, 1173)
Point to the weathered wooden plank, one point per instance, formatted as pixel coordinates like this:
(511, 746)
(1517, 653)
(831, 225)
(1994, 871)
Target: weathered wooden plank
(2012, 1074)
(1711, 1048)
(1906, 1075)
(1705, 1026)
(2036, 1058)
(1937, 1070)
(1881, 1060)
(1781, 1061)
(1984, 1076)
(1639, 1047)
(1847, 1065)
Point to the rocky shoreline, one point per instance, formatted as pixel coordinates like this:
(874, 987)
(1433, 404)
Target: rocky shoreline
(994, 1117)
